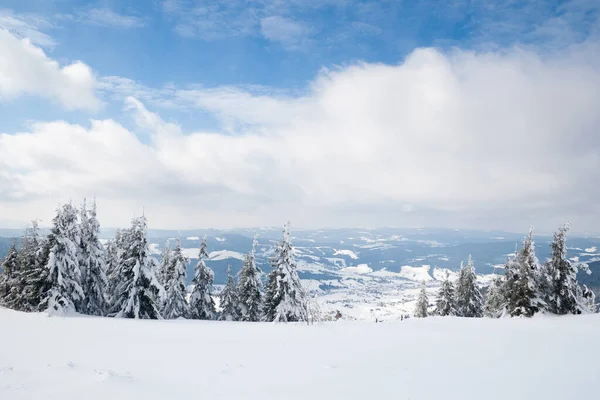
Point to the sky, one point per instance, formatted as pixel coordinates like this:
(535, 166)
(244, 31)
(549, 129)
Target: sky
(333, 113)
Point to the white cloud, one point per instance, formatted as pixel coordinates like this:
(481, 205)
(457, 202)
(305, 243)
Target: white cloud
(290, 34)
(497, 139)
(109, 18)
(27, 26)
(26, 69)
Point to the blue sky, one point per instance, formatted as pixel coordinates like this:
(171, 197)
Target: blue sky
(239, 68)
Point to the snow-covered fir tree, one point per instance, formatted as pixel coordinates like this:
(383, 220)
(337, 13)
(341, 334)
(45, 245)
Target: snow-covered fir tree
(162, 273)
(590, 299)
(137, 293)
(564, 295)
(33, 274)
(229, 300)
(9, 275)
(114, 251)
(92, 263)
(422, 303)
(249, 285)
(176, 305)
(495, 301)
(64, 292)
(469, 302)
(521, 284)
(446, 303)
(285, 298)
(202, 305)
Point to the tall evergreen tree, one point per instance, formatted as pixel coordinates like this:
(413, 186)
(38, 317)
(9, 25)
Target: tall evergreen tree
(521, 287)
(469, 302)
(422, 303)
(176, 305)
(33, 274)
(92, 263)
(564, 295)
(137, 292)
(249, 284)
(229, 300)
(64, 293)
(9, 275)
(590, 299)
(202, 305)
(495, 301)
(285, 298)
(446, 303)
(163, 272)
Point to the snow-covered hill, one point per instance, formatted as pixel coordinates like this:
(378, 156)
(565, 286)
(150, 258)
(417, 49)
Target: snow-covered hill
(91, 358)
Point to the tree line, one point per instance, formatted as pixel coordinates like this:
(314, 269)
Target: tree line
(70, 270)
(526, 288)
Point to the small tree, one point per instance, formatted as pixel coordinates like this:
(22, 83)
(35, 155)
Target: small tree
(422, 303)
(469, 302)
(445, 304)
(202, 304)
(163, 272)
(9, 275)
(176, 305)
(495, 301)
(229, 300)
(92, 263)
(249, 284)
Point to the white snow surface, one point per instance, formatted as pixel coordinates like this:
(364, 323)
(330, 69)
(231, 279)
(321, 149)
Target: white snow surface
(224, 254)
(358, 269)
(416, 273)
(348, 253)
(193, 238)
(100, 358)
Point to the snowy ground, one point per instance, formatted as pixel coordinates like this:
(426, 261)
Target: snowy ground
(88, 358)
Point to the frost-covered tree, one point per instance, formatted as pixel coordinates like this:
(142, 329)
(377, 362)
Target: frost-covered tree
(248, 289)
(285, 298)
(469, 302)
(137, 293)
(9, 275)
(114, 253)
(163, 272)
(33, 274)
(422, 303)
(495, 301)
(445, 304)
(92, 263)
(202, 305)
(64, 292)
(521, 285)
(564, 295)
(589, 298)
(229, 300)
(176, 305)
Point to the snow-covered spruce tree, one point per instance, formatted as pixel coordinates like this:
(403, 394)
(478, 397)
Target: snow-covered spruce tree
(33, 274)
(521, 285)
(64, 280)
(163, 272)
(469, 302)
(445, 304)
(422, 303)
(589, 298)
(248, 289)
(137, 293)
(9, 275)
(495, 301)
(564, 295)
(176, 305)
(229, 300)
(285, 296)
(202, 305)
(92, 263)
(115, 249)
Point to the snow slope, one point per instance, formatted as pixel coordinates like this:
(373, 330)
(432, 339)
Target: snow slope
(435, 358)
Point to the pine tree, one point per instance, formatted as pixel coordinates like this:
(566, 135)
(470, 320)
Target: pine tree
(285, 298)
(202, 305)
(445, 304)
(523, 296)
(9, 275)
(495, 301)
(33, 274)
(114, 252)
(176, 305)
(564, 295)
(137, 293)
(589, 298)
(163, 272)
(469, 302)
(249, 284)
(92, 263)
(229, 300)
(64, 293)
(422, 303)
